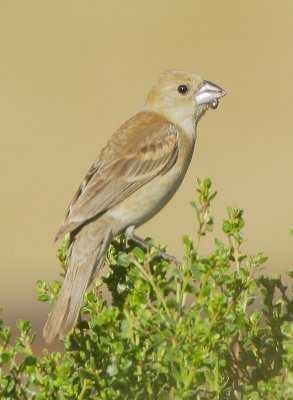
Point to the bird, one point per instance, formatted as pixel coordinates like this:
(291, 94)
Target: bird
(133, 178)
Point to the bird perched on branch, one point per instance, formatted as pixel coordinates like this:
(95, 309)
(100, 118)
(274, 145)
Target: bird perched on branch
(134, 176)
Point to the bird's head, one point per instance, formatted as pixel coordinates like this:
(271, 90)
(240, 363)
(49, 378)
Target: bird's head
(183, 97)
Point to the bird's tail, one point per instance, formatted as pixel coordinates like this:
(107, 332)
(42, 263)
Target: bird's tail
(85, 258)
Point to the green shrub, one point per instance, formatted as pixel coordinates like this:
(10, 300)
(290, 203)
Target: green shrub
(211, 327)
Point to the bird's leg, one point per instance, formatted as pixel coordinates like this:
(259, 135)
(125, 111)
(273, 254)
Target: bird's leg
(129, 233)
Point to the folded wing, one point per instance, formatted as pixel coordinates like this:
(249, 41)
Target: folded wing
(144, 147)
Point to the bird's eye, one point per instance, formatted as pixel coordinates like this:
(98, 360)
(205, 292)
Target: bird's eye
(182, 89)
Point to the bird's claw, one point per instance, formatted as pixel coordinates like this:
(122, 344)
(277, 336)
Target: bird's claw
(129, 233)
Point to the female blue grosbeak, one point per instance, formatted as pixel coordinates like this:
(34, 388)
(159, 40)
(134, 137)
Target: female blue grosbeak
(135, 175)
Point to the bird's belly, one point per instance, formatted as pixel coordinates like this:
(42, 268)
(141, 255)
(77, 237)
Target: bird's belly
(148, 200)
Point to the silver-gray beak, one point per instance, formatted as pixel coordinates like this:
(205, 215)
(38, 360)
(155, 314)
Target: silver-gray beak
(209, 93)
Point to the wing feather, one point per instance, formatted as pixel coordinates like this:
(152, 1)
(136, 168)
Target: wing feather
(144, 147)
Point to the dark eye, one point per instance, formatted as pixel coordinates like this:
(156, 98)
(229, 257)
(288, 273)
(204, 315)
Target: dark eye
(182, 89)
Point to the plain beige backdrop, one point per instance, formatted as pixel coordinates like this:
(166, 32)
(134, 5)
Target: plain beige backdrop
(72, 71)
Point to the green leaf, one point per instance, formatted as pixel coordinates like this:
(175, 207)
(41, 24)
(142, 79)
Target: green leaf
(139, 254)
(30, 360)
(196, 273)
(124, 260)
(24, 325)
(207, 183)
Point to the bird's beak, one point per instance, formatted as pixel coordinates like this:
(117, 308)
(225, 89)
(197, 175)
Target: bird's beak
(209, 93)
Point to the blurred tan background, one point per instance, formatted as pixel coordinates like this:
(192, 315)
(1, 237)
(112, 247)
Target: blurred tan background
(71, 72)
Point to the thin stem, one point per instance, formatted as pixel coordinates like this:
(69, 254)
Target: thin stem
(149, 278)
(83, 390)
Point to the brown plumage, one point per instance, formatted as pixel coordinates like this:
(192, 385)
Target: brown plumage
(123, 167)
(135, 175)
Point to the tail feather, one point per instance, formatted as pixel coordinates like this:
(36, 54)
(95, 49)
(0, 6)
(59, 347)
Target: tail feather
(84, 261)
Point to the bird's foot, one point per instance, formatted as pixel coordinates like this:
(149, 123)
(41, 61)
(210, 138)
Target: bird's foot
(129, 233)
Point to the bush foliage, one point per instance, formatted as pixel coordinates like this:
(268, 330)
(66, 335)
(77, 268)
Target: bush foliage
(210, 327)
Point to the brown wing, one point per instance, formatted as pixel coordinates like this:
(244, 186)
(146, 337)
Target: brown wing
(142, 148)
